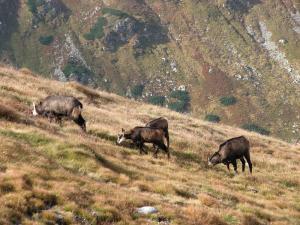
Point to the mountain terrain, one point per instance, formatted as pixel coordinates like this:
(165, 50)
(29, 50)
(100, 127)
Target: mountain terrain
(230, 61)
(51, 174)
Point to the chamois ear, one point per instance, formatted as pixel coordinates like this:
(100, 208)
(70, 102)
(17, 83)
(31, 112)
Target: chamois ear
(123, 130)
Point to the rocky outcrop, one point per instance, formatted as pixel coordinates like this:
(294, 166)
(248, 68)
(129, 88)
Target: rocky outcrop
(147, 34)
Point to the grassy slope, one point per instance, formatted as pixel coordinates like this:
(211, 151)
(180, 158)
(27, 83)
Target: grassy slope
(54, 174)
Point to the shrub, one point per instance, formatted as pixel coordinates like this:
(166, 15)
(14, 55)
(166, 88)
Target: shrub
(178, 106)
(180, 95)
(97, 30)
(212, 118)
(182, 100)
(213, 13)
(255, 128)
(137, 90)
(157, 100)
(75, 68)
(32, 6)
(228, 100)
(46, 40)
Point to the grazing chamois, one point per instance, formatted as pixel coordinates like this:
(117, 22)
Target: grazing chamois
(58, 107)
(230, 151)
(141, 135)
(160, 123)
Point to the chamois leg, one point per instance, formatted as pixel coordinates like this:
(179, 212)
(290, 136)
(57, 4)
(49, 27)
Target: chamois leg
(166, 149)
(156, 148)
(247, 156)
(58, 119)
(227, 164)
(80, 122)
(141, 147)
(243, 164)
(234, 166)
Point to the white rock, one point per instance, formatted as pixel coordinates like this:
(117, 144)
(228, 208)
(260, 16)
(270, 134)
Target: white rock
(147, 210)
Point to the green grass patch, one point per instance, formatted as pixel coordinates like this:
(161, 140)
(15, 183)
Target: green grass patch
(32, 139)
(97, 31)
(289, 183)
(46, 40)
(228, 100)
(157, 100)
(230, 219)
(255, 128)
(212, 118)
(115, 12)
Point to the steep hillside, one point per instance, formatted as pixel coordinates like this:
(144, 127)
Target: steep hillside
(57, 175)
(234, 61)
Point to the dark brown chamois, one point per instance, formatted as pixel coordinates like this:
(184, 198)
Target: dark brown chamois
(160, 123)
(230, 151)
(141, 135)
(58, 107)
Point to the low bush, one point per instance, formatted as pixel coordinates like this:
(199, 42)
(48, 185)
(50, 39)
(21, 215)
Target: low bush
(212, 118)
(76, 69)
(180, 95)
(46, 40)
(137, 90)
(157, 100)
(180, 100)
(228, 100)
(177, 106)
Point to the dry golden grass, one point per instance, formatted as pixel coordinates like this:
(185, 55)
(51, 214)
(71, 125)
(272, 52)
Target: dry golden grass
(58, 175)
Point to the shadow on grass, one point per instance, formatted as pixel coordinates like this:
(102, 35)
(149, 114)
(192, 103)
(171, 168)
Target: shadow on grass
(103, 135)
(110, 165)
